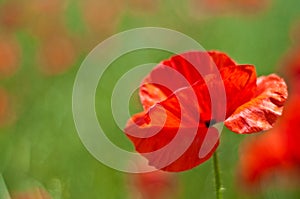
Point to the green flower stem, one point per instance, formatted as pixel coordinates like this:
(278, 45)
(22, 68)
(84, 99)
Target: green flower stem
(218, 184)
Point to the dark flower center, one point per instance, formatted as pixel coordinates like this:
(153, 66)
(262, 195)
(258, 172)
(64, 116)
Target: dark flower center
(210, 123)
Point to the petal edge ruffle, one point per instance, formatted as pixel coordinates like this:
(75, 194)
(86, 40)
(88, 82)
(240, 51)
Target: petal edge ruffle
(261, 112)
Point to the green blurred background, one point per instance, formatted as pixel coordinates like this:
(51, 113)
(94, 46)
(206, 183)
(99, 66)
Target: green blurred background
(42, 44)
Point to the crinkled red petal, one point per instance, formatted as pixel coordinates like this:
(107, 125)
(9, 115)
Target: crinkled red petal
(240, 85)
(219, 97)
(170, 136)
(261, 112)
(180, 71)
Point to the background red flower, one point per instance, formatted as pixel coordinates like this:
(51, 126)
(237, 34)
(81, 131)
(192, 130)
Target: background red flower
(153, 185)
(276, 153)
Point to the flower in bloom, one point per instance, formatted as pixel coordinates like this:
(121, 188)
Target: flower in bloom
(182, 100)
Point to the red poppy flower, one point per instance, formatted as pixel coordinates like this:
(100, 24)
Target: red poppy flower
(175, 131)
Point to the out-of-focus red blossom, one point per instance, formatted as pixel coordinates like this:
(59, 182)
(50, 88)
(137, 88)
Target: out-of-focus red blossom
(13, 14)
(56, 54)
(35, 193)
(101, 17)
(10, 54)
(252, 105)
(47, 7)
(46, 17)
(290, 66)
(229, 6)
(153, 185)
(290, 63)
(276, 153)
(144, 6)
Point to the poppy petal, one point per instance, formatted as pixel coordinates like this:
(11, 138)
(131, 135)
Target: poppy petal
(178, 110)
(240, 85)
(198, 151)
(180, 71)
(237, 84)
(261, 112)
(158, 85)
(175, 149)
(169, 134)
(221, 59)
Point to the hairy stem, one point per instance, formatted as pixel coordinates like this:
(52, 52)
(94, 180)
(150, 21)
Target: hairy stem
(218, 184)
